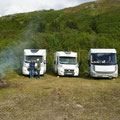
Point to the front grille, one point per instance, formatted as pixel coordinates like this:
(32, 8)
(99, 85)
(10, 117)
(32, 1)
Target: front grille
(104, 72)
(68, 70)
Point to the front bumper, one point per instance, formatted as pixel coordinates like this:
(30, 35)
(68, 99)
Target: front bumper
(67, 72)
(104, 75)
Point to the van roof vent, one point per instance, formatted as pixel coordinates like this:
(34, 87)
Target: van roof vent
(67, 52)
(34, 50)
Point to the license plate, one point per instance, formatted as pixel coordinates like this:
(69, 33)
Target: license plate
(69, 73)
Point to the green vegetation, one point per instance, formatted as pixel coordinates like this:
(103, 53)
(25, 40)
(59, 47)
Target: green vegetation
(90, 25)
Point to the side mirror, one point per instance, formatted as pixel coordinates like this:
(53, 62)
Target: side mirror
(55, 62)
(45, 62)
(89, 62)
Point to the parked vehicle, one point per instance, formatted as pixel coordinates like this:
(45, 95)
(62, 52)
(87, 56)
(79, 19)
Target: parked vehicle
(103, 63)
(34, 54)
(65, 63)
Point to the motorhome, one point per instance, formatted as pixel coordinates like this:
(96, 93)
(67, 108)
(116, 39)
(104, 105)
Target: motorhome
(34, 54)
(65, 63)
(103, 63)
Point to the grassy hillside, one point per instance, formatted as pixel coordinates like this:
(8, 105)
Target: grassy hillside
(90, 25)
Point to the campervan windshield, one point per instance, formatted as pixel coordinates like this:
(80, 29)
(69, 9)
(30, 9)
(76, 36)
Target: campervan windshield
(29, 58)
(68, 60)
(104, 58)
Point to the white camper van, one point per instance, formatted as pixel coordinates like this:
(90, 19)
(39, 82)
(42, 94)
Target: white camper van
(34, 54)
(103, 63)
(65, 63)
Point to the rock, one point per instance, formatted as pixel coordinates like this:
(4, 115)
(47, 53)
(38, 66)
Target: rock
(78, 105)
(21, 22)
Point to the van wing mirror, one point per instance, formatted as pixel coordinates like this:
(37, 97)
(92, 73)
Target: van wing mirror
(89, 62)
(45, 62)
(55, 62)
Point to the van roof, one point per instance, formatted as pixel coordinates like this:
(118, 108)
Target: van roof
(103, 50)
(34, 51)
(63, 53)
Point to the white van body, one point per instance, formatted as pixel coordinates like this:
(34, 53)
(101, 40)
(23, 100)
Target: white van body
(34, 54)
(103, 63)
(65, 63)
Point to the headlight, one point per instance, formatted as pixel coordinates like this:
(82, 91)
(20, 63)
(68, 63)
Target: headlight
(60, 66)
(94, 67)
(76, 67)
(41, 65)
(25, 65)
(116, 67)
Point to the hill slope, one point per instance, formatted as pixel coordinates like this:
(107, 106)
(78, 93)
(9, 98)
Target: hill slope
(90, 25)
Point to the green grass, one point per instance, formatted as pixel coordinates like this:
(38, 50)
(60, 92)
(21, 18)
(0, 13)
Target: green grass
(63, 98)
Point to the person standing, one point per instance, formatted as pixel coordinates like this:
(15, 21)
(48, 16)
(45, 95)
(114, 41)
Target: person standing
(38, 67)
(32, 68)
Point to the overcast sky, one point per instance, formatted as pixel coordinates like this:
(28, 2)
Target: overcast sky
(19, 6)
